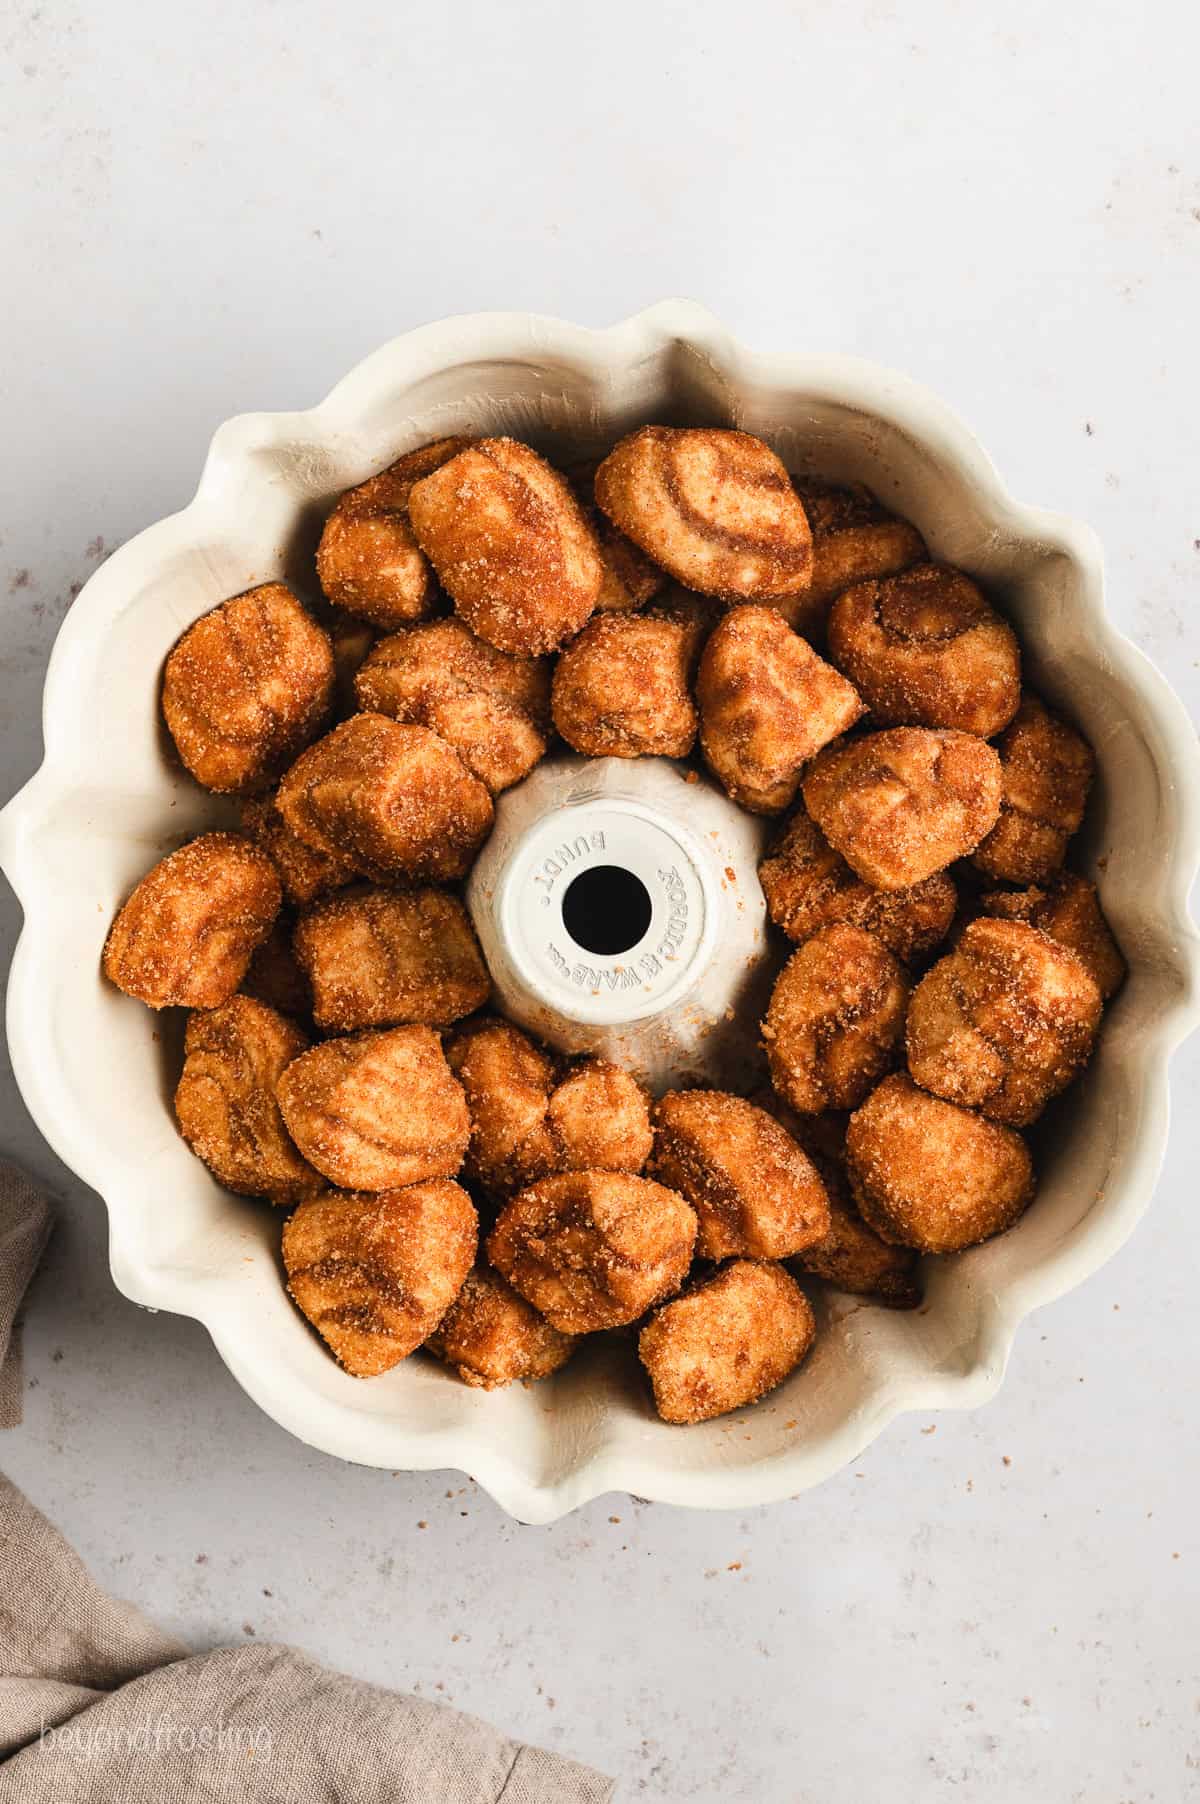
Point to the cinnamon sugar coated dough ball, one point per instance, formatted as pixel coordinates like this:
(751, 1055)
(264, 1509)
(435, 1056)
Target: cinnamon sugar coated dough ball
(622, 688)
(1047, 772)
(368, 561)
(925, 649)
(532, 1115)
(351, 640)
(378, 957)
(274, 977)
(593, 1249)
(726, 1343)
(246, 688)
(510, 544)
(396, 800)
(753, 1189)
(492, 1336)
(225, 1101)
(835, 1018)
(768, 703)
(1068, 909)
(808, 886)
(854, 537)
(903, 804)
(304, 872)
(630, 578)
(376, 1273)
(377, 1110)
(491, 707)
(1004, 1022)
(715, 509)
(186, 935)
(930, 1175)
(850, 1255)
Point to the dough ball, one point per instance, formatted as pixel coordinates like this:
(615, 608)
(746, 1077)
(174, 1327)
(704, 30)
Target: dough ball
(492, 1336)
(835, 1019)
(727, 1342)
(1047, 769)
(379, 957)
(368, 561)
(1068, 909)
(622, 688)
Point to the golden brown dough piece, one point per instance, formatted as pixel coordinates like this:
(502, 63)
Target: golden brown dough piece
(304, 872)
(854, 537)
(621, 689)
(368, 561)
(714, 508)
(491, 707)
(376, 1272)
(532, 1116)
(930, 1175)
(274, 977)
(851, 1256)
(351, 640)
(225, 1101)
(492, 1336)
(593, 1249)
(511, 545)
(727, 1342)
(246, 688)
(379, 957)
(378, 1110)
(1047, 770)
(630, 578)
(903, 804)
(395, 799)
(754, 1190)
(924, 649)
(835, 1019)
(809, 886)
(1068, 909)
(1004, 1022)
(185, 936)
(768, 703)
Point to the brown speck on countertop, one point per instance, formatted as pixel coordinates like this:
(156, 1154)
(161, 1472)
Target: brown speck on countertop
(422, 1525)
(970, 1484)
(1006, 1459)
(734, 1566)
(57, 1356)
(1089, 429)
(614, 1518)
(267, 1592)
(20, 580)
(932, 1429)
(202, 1559)
(247, 1628)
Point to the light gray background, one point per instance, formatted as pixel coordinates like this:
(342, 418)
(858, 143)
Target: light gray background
(219, 208)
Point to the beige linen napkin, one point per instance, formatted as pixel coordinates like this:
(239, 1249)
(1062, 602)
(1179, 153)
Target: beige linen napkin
(98, 1707)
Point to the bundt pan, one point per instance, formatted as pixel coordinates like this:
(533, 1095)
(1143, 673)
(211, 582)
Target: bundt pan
(97, 1070)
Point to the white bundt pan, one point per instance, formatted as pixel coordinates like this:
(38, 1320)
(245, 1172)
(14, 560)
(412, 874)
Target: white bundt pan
(97, 1074)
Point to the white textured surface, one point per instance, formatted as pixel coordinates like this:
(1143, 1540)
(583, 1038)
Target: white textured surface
(224, 212)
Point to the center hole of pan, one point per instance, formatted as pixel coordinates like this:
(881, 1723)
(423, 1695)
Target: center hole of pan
(606, 909)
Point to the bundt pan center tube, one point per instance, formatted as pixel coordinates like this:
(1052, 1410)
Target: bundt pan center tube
(611, 841)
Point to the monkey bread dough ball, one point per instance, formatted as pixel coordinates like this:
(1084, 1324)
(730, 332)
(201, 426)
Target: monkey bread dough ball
(716, 509)
(929, 1175)
(274, 977)
(754, 1190)
(854, 537)
(510, 544)
(925, 649)
(808, 886)
(1068, 909)
(492, 1336)
(1047, 770)
(903, 804)
(368, 560)
(304, 872)
(377, 1110)
(593, 1249)
(835, 1018)
(225, 1101)
(351, 640)
(630, 578)
(186, 935)
(622, 688)
(727, 1342)
(491, 707)
(246, 688)
(375, 1273)
(396, 800)
(768, 703)
(380, 957)
(1004, 1022)
(530, 1116)
(850, 1255)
